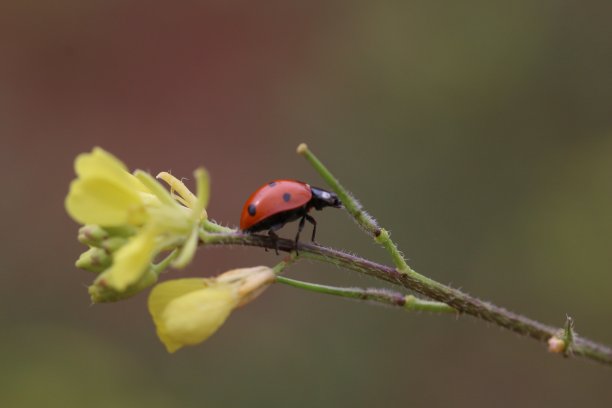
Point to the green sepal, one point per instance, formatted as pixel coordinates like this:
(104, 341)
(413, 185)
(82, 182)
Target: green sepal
(569, 336)
(188, 250)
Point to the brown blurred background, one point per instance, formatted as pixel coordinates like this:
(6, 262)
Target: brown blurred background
(479, 133)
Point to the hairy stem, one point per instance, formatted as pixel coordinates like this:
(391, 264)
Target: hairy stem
(356, 210)
(383, 296)
(211, 226)
(460, 301)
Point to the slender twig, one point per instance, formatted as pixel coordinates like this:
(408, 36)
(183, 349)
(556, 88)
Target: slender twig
(211, 226)
(282, 265)
(460, 301)
(384, 296)
(403, 275)
(353, 206)
(356, 210)
(447, 295)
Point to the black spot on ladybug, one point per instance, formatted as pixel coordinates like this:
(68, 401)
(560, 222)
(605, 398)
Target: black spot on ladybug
(272, 183)
(252, 209)
(286, 197)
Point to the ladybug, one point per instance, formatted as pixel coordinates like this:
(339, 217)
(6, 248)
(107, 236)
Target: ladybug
(281, 201)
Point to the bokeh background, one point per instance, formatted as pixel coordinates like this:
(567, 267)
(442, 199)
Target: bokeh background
(479, 133)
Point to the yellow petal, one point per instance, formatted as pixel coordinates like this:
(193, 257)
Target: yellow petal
(100, 163)
(163, 294)
(132, 260)
(103, 202)
(187, 311)
(101, 293)
(105, 193)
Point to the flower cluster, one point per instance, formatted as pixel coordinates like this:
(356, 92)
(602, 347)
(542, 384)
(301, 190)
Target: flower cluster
(129, 220)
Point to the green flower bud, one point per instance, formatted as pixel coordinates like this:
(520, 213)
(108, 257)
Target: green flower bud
(94, 260)
(121, 231)
(92, 235)
(113, 243)
(556, 345)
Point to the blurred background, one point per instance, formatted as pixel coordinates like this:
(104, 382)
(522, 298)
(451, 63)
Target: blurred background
(479, 133)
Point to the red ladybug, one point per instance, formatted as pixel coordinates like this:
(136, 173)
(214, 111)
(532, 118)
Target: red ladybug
(281, 201)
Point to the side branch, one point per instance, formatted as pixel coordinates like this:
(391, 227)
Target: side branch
(461, 302)
(375, 295)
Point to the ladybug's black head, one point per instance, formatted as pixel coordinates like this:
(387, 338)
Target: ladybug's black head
(323, 198)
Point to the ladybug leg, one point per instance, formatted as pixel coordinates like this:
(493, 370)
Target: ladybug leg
(274, 236)
(314, 226)
(297, 236)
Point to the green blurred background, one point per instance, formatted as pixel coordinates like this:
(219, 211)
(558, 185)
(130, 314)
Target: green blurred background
(479, 133)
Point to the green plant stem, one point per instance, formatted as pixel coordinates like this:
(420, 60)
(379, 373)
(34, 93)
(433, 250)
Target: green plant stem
(398, 259)
(420, 305)
(211, 226)
(280, 267)
(350, 203)
(356, 210)
(460, 301)
(568, 336)
(383, 296)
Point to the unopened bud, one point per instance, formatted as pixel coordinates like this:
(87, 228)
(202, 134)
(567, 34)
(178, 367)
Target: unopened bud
(302, 148)
(94, 260)
(92, 235)
(113, 243)
(556, 345)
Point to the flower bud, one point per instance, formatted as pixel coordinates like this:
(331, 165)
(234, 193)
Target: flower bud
(556, 345)
(92, 235)
(112, 244)
(94, 260)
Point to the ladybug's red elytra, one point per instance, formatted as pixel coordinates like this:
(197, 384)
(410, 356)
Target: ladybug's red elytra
(278, 202)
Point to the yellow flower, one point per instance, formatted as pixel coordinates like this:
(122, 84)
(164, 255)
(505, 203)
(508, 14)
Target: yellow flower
(188, 311)
(110, 199)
